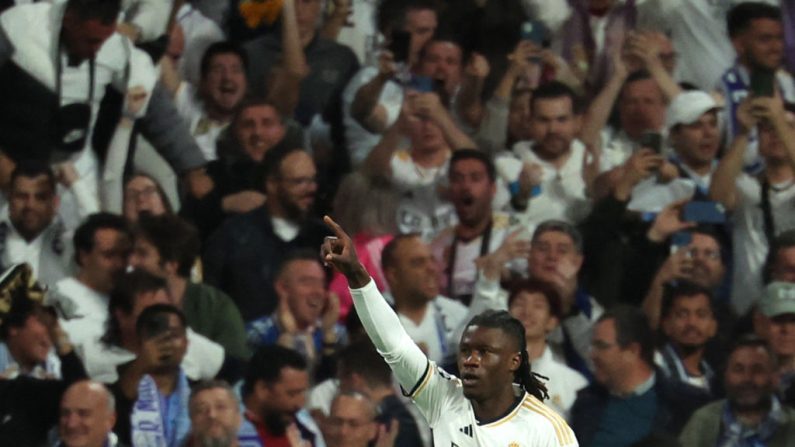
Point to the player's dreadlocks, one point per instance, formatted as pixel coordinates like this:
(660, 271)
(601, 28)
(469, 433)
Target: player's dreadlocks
(500, 319)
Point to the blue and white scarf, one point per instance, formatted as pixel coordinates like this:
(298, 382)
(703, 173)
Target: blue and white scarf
(157, 420)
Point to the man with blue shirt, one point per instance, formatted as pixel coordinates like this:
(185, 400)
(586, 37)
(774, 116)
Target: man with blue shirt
(629, 401)
(306, 317)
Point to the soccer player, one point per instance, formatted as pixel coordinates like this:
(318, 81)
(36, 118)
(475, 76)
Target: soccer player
(484, 407)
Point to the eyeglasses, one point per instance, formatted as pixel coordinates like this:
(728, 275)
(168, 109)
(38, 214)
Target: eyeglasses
(134, 194)
(712, 255)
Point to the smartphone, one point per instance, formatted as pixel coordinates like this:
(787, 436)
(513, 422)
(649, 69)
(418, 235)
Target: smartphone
(399, 45)
(704, 211)
(422, 84)
(535, 32)
(763, 82)
(679, 240)
(651, 140)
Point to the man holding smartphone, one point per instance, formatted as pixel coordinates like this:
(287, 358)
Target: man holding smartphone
(757, 35)
(761, 204)
(372, 99)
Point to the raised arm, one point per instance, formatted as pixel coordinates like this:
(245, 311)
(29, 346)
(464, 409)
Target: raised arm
(723, 187)
(380, 322)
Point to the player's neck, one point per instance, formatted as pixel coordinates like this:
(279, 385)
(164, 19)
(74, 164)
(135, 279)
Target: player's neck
(495, 407)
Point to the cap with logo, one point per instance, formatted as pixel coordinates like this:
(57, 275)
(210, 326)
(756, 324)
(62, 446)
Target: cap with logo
(778, 299)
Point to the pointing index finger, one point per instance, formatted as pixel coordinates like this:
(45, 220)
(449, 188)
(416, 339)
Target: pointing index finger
(338, 231)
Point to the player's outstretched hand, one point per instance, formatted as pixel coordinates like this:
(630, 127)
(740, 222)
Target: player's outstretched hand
(339, 252)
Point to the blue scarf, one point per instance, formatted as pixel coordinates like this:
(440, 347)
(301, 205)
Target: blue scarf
(157, 420)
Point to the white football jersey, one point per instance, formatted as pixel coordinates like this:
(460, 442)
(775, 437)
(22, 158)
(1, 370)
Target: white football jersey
(529, 423)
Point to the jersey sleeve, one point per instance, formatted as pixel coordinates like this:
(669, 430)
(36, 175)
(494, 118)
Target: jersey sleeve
(429, 386)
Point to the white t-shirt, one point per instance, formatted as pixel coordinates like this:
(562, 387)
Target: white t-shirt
(422, 208)
(749, 240)
(89, 308)
(437, 327)
(562, 190)
(204, 130)
(563, 383)
(360, 140)
(465, 273)
(285, 229)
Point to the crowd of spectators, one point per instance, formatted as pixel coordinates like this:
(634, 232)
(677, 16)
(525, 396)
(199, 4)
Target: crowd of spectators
(619, 175)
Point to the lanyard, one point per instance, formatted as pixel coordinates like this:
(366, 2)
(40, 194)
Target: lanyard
(484, 250)
(768, 224)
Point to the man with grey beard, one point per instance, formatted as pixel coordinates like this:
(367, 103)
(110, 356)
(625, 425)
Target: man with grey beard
(214, 415)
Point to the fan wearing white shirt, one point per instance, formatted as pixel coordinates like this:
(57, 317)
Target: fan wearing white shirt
(556, 156)
(761, 205)
(413, 276)
(32, 232)
(102, 244)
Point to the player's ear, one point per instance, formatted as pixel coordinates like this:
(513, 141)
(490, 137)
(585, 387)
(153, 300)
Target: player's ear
(516, 361)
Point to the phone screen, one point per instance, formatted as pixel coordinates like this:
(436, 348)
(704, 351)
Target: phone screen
(399, 45)
(651, 140)
(762, 82)
(535, 32)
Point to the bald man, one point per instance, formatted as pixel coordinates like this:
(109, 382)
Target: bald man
(351, 421)
(87, 416)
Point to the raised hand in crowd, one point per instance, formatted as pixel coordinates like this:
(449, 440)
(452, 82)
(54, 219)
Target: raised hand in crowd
(515, 246)
(387, 435)
(469, 101)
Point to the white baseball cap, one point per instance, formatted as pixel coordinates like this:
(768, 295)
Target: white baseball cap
(687, 107)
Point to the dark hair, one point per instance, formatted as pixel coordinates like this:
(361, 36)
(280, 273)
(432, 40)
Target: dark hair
(392, 13)
(22, 308)
(106, 11)
(84, 235)
(632, 327)
(537, 286)
(272, 162)
(223, 47)
(160, 191)
(297, 254)
(682, 289)
(637, 76)
(361, 358)
(175, 240)
(739, 17)
(555, 90)
(474, 154)
(267, 363)
(388, 253)
(752, 341)
(123, 296)
(148, 323)
(500, 319)
(32, 168)
(781, 242)
(560, 227)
